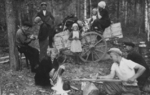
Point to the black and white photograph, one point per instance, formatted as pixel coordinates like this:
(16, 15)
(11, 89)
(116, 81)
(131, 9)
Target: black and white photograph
(74, 47)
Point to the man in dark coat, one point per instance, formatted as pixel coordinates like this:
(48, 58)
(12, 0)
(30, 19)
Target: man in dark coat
(136, 57)
(46, 32)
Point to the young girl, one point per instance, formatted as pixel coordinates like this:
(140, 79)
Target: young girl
(76, 46)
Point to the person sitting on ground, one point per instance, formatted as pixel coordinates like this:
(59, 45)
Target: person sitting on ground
(124, 69)
(23, 39)
(103, 20)
(136, 57)
(50, 63)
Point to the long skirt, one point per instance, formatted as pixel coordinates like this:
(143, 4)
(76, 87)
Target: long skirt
(43, 48)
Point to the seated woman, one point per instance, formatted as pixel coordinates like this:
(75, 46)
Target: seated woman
(48, 64)
(103, 20)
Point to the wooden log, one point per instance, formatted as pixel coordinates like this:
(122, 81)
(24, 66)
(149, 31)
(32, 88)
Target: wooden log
(6, 59)
(3, 58)
(99, 80)
(107, 80)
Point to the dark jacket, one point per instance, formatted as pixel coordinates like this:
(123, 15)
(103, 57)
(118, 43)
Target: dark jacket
(104, 22)
(46, 29)
(42, 74)
(48, 18)
(136, 57)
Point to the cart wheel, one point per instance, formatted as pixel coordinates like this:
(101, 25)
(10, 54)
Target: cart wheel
(94, 47)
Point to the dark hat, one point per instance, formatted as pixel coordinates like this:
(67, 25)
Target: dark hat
(129, 44)
(43, 3)
(28, 24)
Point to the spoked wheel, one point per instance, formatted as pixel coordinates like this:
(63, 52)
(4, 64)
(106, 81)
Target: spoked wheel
(94, 47)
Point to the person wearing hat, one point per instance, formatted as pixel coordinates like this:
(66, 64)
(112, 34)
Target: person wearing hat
(46, 31)
(124, 69)
(23, 39)
(136, 57)
(103, 20)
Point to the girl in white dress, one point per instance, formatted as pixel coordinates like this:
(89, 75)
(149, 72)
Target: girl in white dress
(76, 46)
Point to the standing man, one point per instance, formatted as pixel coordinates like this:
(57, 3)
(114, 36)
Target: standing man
(136, 57)
(23, 39)
(46, 32)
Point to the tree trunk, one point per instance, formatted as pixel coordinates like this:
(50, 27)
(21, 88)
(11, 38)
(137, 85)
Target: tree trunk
(90, 8)
(146, 20)
(118, 8)
(11, 28)
(135, 2)
(85, 9)
(126, 11)
(143, 16)
(148, 13)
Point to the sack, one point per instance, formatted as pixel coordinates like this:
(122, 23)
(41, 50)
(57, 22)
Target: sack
(114, 30)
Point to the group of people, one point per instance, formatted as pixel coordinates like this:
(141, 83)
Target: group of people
(132, 70)
(24, 37)
(47, 67)
(100, 19)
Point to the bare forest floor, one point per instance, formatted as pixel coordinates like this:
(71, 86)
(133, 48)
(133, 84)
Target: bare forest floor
(22, 82)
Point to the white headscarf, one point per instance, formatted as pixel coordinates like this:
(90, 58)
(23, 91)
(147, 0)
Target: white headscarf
(102, 4)
(75, 25)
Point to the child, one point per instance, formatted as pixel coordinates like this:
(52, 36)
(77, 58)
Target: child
(76, 46)
(94, 16)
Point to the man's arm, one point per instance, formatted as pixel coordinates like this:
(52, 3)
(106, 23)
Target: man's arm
(22, 39)
(140, 71)
(109, 76)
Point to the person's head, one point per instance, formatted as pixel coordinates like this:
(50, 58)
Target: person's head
(75, 27)
(54, 53)
(102, 5)
(38, 20)
(80, 23)
(115, 54)
(129, 46)
(26, 26)
(43, 5)
(94, 11)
